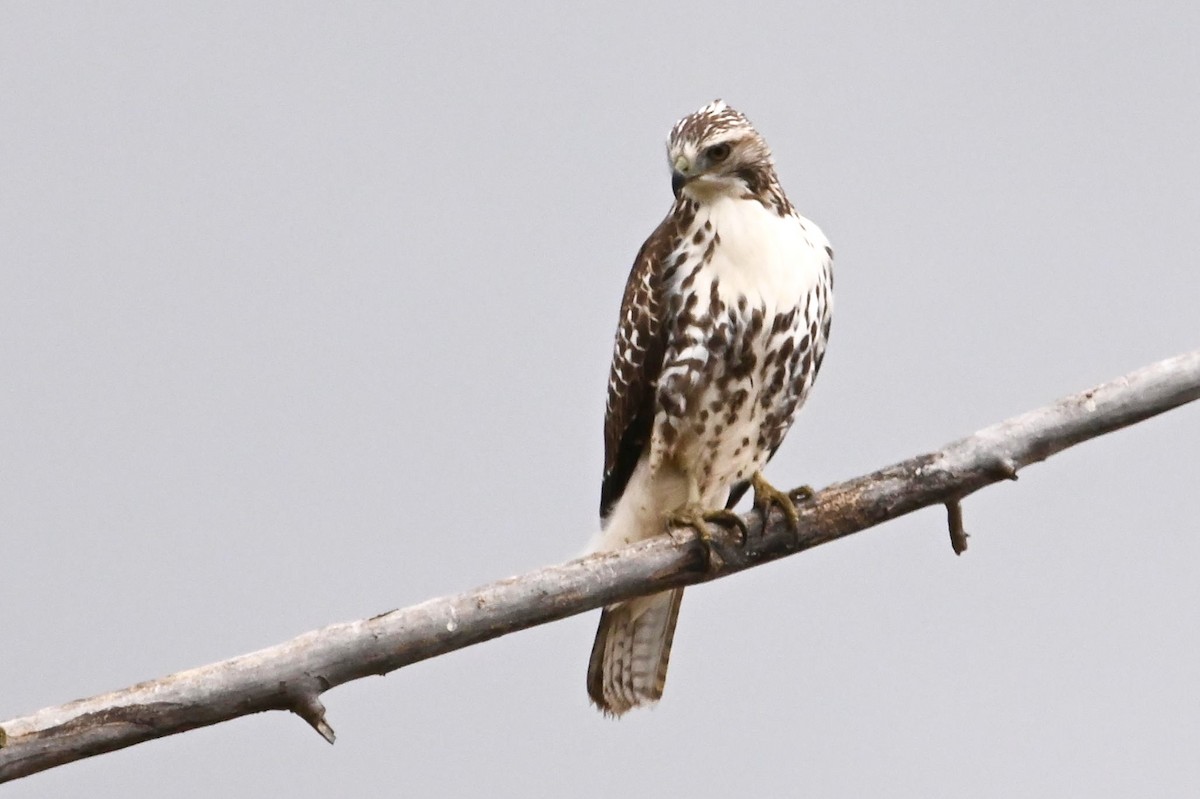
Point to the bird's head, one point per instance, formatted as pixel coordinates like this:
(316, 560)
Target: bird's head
(716, 151)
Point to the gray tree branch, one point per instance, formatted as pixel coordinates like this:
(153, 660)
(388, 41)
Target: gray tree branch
(293, 675)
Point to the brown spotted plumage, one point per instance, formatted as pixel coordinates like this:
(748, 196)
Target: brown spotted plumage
(723, 328)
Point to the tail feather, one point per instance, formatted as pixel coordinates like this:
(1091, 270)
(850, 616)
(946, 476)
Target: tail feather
(628, 667)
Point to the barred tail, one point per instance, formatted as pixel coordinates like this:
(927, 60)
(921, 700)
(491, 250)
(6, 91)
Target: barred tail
(629, 658)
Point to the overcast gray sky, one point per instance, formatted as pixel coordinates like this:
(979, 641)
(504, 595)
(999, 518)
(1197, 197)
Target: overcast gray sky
(306, 311)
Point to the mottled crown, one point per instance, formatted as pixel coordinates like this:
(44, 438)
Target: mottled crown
(713, 123)
(716, 152)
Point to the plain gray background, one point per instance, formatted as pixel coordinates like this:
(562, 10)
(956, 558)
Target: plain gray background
(306, 311)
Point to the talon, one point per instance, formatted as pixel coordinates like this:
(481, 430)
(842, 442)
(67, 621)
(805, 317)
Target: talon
(699, 519)
(766, 495)
(730, 519)
(801, 494)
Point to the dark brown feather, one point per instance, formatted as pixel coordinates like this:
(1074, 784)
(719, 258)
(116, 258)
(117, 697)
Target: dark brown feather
(633, 380)
(616, 620)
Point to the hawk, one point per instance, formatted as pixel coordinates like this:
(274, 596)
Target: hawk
(723, 327)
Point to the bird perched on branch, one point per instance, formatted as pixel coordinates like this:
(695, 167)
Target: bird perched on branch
(723, 327)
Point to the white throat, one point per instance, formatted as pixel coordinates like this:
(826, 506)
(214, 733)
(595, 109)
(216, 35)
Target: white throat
(760, 255)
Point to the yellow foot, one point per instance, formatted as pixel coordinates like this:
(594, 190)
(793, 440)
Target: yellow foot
(699, 518)
(801, 494)
(766, 495)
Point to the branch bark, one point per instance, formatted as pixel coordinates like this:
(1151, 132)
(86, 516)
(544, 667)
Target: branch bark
(293, 675)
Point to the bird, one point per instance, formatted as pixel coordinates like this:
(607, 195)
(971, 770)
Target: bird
(723, 326)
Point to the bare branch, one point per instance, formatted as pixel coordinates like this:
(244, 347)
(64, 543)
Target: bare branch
(293, 675)
(958, 535)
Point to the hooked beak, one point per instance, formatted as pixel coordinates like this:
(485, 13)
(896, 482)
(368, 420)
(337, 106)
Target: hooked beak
(678, 181)
(679, 176)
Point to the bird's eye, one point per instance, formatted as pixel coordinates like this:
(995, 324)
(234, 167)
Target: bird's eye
(717, 153)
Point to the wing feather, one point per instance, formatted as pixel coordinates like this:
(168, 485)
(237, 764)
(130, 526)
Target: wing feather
(637, 362)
